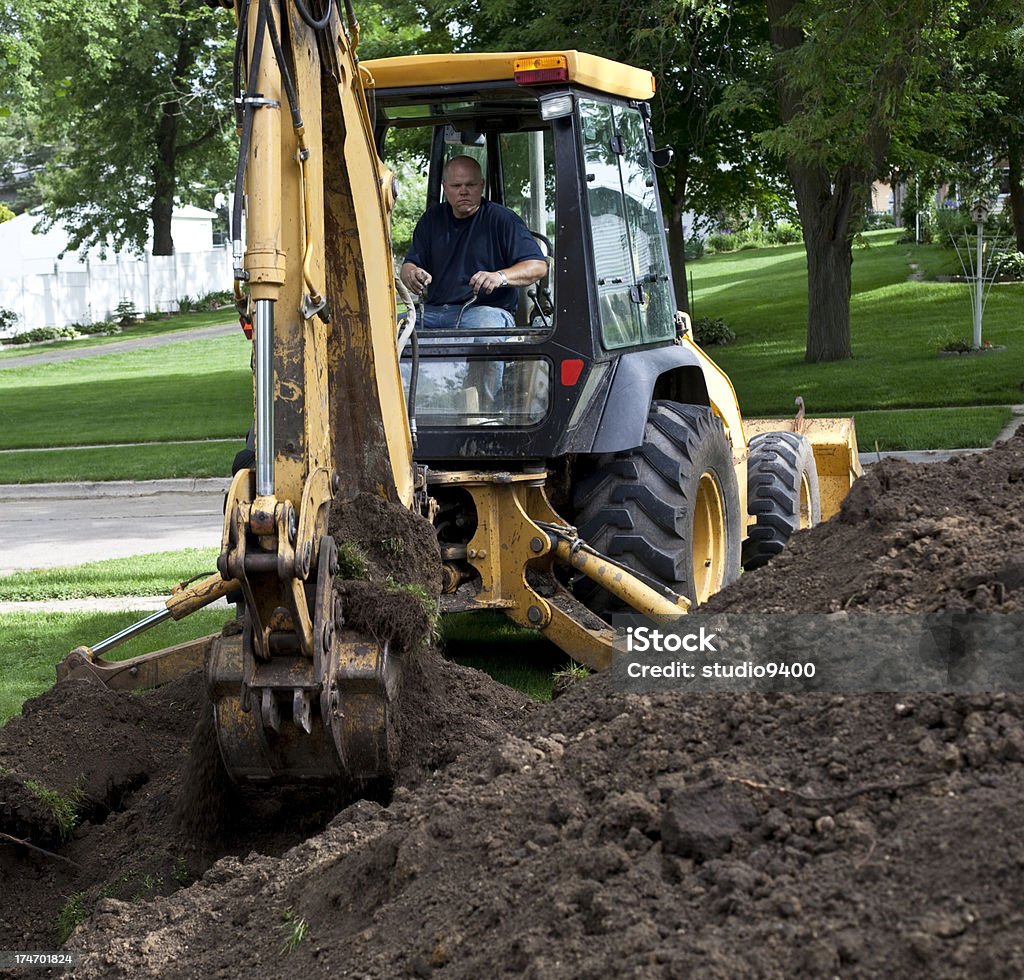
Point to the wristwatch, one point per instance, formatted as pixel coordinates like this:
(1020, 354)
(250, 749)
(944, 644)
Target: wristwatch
(504, 278)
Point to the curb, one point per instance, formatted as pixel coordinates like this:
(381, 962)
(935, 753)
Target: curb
(113, 488)
(143, 604)
(917, 455)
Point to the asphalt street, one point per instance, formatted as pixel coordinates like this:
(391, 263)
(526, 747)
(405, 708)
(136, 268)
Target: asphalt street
(52, 525)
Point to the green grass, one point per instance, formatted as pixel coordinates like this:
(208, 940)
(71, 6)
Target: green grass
(517, 657)
(146, 328)
(200, 391)
(146, 461)
(32, 644)
(139, 575)
(897, 327)
(950, 428)
(196, 390)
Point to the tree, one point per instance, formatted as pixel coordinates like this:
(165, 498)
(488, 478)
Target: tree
(22, 150)
(996, 132)
(852, 75)
(140, 95)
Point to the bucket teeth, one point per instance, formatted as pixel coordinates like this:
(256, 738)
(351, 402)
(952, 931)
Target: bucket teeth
(302, 710)
(271, 713)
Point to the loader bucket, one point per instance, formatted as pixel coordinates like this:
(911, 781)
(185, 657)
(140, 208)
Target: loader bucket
(834, 442)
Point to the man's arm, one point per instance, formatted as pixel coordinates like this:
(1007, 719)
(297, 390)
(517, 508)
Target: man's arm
(524, 273)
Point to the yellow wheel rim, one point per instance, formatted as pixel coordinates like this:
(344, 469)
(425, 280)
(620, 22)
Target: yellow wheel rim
(805, 502)
(709, 544)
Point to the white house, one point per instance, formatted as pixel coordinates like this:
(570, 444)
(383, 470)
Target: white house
(47, 290)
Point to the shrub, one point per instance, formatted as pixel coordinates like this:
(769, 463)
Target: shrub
(1010, 263)
(950, 224)
(723, 242)
(188, 304)
(712, 331)
(125, 314)
(785, 233)
(694, 247)
(8, 318)
(40, 334)
(876, 220)
(101, 328)
(216, 299)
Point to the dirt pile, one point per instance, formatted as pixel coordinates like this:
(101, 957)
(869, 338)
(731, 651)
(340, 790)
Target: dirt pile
(909, 538)
(121, 761)
(668, 835)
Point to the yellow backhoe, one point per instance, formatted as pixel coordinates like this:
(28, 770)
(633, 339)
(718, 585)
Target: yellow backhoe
(612, 472)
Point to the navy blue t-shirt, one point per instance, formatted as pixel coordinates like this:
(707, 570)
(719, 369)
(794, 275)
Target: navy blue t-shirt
(453, 249)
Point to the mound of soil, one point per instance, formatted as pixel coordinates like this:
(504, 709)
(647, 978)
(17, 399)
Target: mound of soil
(908, 538)
(668, 835)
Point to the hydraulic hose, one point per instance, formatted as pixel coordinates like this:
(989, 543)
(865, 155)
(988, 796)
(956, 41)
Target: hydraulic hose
(317, 25)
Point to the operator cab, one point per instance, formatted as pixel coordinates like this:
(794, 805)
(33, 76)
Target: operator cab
(564, 140)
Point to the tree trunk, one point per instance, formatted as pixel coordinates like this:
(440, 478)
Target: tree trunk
(825, 207)
(676, 242)
(1015, 153)
(164, 179)
(825, 204)
(168, 148)
(829, 265)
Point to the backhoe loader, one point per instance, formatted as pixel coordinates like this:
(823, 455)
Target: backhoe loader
(609, 470)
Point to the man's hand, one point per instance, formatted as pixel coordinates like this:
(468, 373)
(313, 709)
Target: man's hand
(524, 273)
(487, 281)
(415, 278)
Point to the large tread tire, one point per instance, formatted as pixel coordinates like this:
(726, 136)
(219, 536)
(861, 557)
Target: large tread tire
(669, 509)
(782, 494)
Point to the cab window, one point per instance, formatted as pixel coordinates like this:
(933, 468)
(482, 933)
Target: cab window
(630, 261)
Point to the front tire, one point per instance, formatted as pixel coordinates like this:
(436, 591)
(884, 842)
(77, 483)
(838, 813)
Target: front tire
(668, 509)
(782, 494)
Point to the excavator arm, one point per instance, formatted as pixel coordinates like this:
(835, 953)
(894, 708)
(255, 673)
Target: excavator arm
(297, 696)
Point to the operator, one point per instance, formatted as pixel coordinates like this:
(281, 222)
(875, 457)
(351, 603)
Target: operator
(470, 249)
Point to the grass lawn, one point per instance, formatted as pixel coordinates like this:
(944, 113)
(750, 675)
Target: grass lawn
(179, 399)
(32, 644)
(513, 656)
(197, 390)
(145, 461)
(897, 325)
(154, 574)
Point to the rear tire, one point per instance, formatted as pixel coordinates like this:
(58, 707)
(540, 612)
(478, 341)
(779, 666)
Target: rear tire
(782, 494)
(668, 509)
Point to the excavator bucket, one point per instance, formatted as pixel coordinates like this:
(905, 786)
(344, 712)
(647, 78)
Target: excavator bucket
(834, 441)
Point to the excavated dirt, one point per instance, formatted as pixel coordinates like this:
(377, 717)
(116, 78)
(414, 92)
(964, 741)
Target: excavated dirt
(669, 835)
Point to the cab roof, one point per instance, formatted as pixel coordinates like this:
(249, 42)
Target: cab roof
(429, 70)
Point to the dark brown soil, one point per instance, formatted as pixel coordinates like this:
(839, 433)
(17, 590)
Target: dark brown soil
(605, 834)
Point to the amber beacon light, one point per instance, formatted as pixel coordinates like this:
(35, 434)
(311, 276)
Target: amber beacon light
(541, 69)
